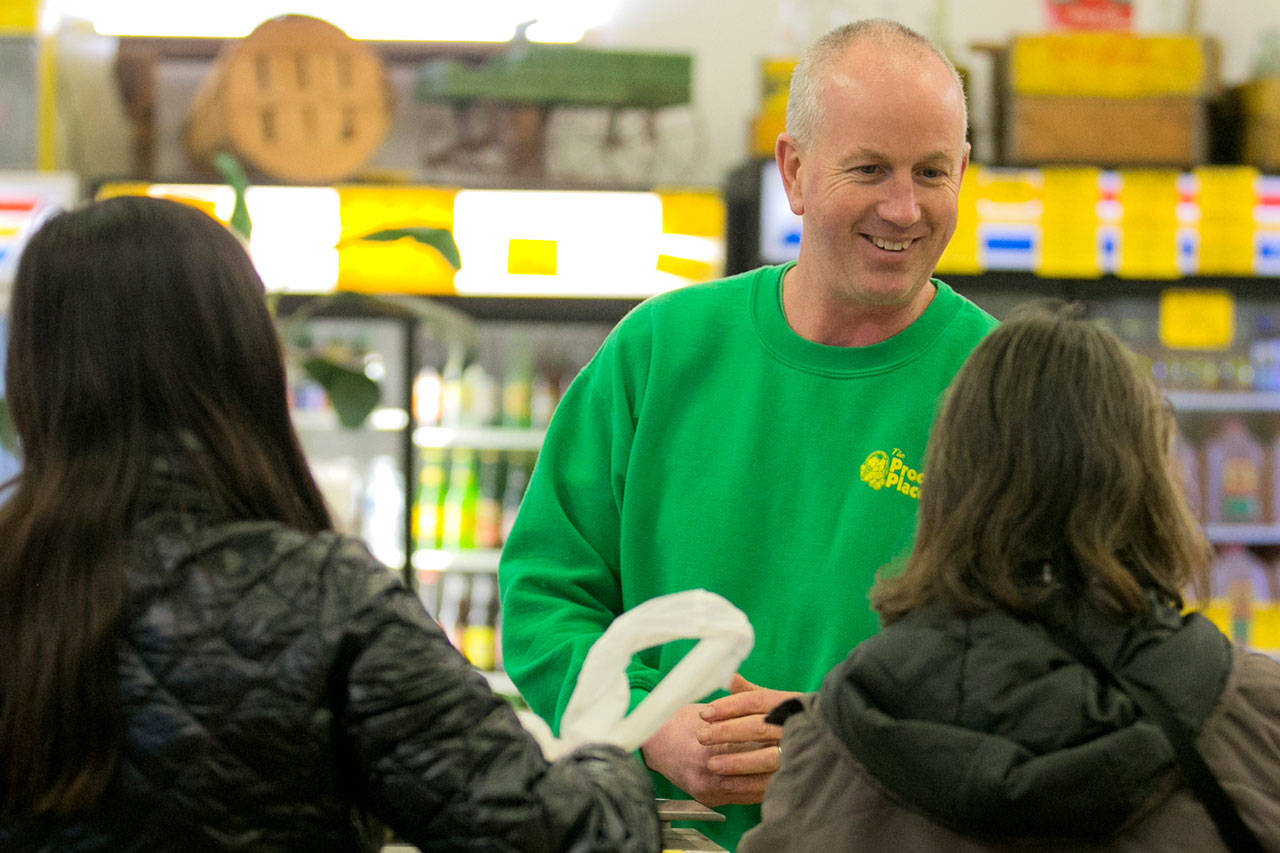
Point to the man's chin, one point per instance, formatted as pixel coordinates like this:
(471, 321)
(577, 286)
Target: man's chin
(890, 292)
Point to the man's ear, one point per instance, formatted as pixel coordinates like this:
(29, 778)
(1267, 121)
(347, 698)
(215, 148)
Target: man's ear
(787, 152)
(964, 162)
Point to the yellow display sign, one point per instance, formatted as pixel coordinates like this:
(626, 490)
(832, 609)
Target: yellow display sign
(1197, 318)
(1007, 186)
(19, 17)
(531, 257)
(686, 268)
(1149, 224)
(961, 255)
(697, 214)
(1226, 197)
(403, 265)
(1069, 223)
(408, 239)
(1262, 629)
(1108, 64)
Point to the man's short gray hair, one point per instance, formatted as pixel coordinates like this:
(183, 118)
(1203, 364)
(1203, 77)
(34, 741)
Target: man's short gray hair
(804, 102)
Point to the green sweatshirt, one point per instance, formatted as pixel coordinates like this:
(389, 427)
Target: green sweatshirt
(708, 445)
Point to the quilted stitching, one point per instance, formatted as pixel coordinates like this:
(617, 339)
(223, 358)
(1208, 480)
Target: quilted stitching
(235, 634)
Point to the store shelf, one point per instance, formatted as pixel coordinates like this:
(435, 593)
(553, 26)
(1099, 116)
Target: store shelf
(1224, 401)
(1243, 534)
(480, 560)
(385, 419)
(480, 438)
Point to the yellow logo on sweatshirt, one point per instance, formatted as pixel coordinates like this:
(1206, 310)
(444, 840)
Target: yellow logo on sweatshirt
(889, 470)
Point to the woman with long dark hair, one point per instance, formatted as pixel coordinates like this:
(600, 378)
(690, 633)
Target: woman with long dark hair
(192, 658)
(1037, 685)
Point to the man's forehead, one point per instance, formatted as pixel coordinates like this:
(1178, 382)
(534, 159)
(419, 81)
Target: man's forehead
(864, 152)
(874, 64)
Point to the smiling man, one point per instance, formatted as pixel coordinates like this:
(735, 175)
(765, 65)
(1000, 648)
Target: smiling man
(761, 436)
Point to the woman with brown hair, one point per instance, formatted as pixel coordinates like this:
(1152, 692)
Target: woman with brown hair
(1037, 685)
(193, 658)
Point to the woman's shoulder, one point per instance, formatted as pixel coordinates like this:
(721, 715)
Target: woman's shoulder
(233, 560)
(1234, 737)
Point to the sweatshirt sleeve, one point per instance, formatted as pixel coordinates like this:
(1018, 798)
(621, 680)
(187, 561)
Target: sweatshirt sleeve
(444, 762)
(560, 575)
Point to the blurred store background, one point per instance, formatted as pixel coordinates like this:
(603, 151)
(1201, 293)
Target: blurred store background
(451, 205)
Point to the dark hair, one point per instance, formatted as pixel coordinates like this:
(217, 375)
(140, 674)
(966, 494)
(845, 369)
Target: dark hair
(1052, 452)
(139, 326)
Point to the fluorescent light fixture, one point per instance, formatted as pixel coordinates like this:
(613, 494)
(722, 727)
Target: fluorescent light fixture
(512, 242)
(295, 231)
(562, 21)
(708, 250)
(606, 243)
(294, 238)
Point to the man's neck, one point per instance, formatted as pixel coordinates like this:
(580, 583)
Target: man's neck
(822, 317)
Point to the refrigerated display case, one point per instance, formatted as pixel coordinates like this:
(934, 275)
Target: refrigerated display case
(480, 414)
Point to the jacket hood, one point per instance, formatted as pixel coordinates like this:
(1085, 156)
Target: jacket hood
(986, 725)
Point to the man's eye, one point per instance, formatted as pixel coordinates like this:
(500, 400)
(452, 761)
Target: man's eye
(866, 170)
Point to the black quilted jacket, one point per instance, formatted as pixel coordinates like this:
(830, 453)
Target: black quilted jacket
(285, 691)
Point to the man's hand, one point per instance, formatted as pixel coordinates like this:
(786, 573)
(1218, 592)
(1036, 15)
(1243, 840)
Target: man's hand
(722, 752)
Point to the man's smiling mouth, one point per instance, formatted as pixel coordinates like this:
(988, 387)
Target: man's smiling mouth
(890, 245)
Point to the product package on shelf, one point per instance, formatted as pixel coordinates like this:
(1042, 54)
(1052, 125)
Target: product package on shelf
(465, 605)
(1234, 463)
(382, 521)
(480, 412)
(1187, 458)
(1245, 598)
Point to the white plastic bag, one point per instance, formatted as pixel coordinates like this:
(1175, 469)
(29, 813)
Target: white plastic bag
(597, 710)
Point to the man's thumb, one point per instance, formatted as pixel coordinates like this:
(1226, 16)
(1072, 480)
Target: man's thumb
(740, 684)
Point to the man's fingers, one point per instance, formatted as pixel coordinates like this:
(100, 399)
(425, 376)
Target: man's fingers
(740, 684)
(757, 762)
(755, 701)
(739, 730)
(735, 789)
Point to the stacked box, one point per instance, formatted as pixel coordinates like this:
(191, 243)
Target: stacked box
(1260, 102)
(1109, 99)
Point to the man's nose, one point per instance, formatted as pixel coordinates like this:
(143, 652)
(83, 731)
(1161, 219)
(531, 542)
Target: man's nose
(899, 205)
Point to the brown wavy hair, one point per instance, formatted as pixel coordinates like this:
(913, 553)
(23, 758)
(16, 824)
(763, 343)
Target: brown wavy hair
(1049, 467)
(137, 325)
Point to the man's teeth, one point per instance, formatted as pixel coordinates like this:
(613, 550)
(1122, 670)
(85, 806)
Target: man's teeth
(890, 245)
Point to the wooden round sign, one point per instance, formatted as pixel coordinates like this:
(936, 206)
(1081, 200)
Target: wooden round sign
(296, 99)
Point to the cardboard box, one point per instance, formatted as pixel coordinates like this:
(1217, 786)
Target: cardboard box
(1105, 99)
(1260, 109)
(1155, 131)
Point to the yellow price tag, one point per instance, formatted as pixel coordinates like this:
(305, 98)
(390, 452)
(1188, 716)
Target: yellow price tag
(19, 17)
(531, 257)
(1197, 319)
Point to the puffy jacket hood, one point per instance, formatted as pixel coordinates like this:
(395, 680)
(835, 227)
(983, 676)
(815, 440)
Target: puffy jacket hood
(986, 725)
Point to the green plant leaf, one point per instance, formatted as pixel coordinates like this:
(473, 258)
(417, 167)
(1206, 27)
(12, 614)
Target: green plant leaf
(233, 173)
(439, 239)
(353, 394)
(8, 435)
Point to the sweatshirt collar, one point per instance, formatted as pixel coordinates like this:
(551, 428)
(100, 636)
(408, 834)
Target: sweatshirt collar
(776, 334)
